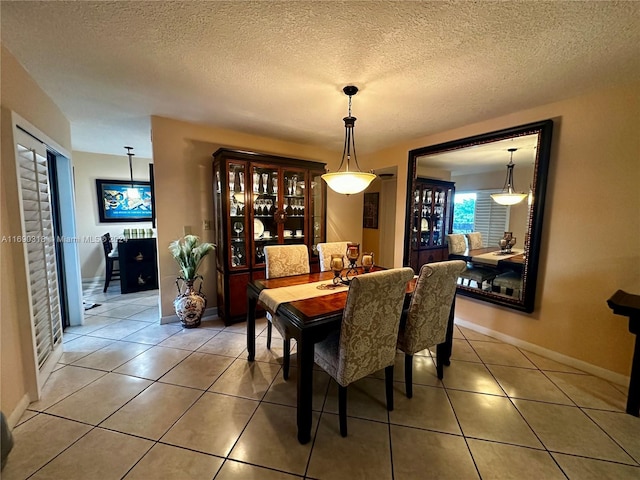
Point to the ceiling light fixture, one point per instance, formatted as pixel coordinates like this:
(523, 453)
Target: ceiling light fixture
(509, 196)
(349, 181)
(131, 192)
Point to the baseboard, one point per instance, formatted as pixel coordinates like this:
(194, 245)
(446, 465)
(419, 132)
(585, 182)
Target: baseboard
(14, 417)
(210, 313)
(600, 372)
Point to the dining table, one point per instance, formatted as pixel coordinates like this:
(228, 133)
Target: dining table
(492, 256)
(310, 316)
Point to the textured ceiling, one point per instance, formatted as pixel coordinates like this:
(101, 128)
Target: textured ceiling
(277, 68)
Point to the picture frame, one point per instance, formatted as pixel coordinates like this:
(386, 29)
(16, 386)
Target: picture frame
(370, 213)
(124, 201)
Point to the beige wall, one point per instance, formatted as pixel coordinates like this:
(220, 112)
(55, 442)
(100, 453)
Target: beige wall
(88, 167)
(371, 236)
(591, 226)
(182, 170)
(22, 95)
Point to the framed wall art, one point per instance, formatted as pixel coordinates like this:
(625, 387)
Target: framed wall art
(124, 201)
(370, 214)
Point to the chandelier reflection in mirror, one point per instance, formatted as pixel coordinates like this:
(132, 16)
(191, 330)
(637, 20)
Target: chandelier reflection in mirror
(509, 196)
(349, 181)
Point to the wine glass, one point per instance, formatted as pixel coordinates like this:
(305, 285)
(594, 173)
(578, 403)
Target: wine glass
(256, 182)
(268, 206)
(232, 181)
(274, 181)
(265, 179)
(238, 228)
(241, 178)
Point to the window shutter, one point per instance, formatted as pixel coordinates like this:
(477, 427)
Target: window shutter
(39, 245)
(491, 218)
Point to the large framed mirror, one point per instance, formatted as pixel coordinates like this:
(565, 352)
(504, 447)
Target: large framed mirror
(453, 211)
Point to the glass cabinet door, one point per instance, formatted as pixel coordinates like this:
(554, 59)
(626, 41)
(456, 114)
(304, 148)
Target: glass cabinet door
(294, 205)
(264, 193)
(317, 208)
(218, 231)
(438, 216)
(426, 217)
(237, 218)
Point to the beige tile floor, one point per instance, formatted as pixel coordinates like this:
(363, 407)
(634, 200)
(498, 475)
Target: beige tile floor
(137, 400)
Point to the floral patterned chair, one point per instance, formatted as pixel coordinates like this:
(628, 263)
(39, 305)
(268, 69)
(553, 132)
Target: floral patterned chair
(424, 323)
(325, 250)
(475, 240)
(367, 338)
(283, 261)
(457, 244)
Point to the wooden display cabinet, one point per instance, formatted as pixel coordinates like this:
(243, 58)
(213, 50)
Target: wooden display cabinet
(431, 221)
(261, 200)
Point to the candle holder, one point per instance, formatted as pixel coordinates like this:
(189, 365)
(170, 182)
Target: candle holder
(367, 262)
(507, 242)
(353, 253)
(337, 265)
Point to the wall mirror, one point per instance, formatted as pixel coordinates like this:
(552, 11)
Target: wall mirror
(449, 190)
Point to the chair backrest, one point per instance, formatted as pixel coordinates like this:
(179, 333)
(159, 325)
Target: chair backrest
(370, 323)
(456, 242)
(286, 260)
(426, 323)
(325, 250)
(475, 240)
(106, 244)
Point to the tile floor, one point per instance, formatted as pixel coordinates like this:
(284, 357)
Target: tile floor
(137, 400)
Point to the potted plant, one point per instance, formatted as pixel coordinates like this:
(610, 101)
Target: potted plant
(189, 252)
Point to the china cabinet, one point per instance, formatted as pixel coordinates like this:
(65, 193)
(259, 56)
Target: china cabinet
(431, 221)
(259, 200)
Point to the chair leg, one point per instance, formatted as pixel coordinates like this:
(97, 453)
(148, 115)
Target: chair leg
(440, 356)
(269, 327)
(342, 409)
(286, 357)
(388, 380)
(408, 374)
(108, 275)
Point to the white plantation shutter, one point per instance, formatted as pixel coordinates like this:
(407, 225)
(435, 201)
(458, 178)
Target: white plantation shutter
(491, 218)
(39, 246)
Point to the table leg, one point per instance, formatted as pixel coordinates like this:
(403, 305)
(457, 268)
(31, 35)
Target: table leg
(633, 399)
(445, 349)
(305, 388)
(252, 301)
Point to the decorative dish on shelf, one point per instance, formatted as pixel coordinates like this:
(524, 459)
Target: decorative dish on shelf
(258, 228)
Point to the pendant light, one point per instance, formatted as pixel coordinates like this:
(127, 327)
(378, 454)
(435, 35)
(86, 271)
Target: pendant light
(349, 181)
(509, 196)
(132, 192)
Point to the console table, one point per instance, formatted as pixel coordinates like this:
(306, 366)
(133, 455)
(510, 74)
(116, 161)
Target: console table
(628, 305)
(138, 258)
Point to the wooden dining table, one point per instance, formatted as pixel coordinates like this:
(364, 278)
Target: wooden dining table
(309, 321)
(492, 256)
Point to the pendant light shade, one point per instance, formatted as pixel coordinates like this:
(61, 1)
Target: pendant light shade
(349, 181)
(509, 196)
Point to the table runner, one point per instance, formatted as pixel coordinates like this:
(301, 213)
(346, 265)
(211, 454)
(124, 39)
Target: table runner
(493, 258)
(271, 298)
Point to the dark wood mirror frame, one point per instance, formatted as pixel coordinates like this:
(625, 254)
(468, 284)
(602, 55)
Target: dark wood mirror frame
(544, 129)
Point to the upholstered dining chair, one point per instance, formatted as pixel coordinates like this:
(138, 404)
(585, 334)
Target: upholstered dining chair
(511, 282)
(457, 244)
(283, 261)
(424, 323)
(368, 335)
(325, 250)
(475, 240)
(110, 257)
